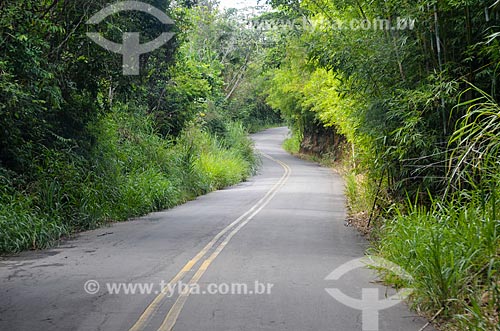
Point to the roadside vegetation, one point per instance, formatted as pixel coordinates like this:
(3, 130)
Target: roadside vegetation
(81, 145)
(131, 171)
(411, 100)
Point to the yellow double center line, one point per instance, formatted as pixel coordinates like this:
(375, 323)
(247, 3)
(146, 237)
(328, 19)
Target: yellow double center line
(233, 228)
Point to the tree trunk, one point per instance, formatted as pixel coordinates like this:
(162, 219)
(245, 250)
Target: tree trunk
(438, 39)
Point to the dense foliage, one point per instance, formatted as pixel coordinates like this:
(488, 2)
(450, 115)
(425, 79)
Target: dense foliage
(389, 76)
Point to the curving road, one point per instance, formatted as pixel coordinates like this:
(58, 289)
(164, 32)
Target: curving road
(252, 257)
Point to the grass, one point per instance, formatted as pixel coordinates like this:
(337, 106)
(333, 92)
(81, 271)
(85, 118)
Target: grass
(131, 171)
(452, 250)
(359, 192)
(292, 144)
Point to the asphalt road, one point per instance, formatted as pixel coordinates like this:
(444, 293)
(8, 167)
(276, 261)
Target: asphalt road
(252, 257)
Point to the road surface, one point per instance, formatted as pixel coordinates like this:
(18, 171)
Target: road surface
(251, 257)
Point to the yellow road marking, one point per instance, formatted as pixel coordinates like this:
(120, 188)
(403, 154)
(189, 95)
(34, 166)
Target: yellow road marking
(155, 304)
(173, 314)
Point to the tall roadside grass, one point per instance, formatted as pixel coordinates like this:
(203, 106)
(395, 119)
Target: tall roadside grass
(130, 171)
(292, 143)
(359, 192)
(452, 250)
